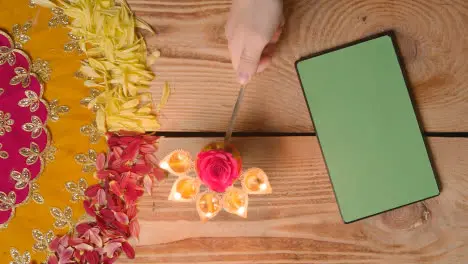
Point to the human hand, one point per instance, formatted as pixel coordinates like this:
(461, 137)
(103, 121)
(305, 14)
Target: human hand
(252, 30)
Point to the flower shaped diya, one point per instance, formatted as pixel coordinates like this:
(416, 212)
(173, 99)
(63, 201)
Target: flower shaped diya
(211, 180)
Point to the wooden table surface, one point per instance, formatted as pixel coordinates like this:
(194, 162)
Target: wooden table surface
(300, 222)
(432, 35)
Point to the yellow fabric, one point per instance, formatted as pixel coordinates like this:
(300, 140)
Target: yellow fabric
(47, 43)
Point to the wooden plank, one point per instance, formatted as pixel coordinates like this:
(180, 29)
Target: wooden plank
(431, 34)
(300, 222)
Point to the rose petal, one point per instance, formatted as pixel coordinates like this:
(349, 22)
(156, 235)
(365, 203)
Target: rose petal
(217, 169)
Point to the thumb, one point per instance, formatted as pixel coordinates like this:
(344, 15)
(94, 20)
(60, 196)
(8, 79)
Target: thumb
(248, 63)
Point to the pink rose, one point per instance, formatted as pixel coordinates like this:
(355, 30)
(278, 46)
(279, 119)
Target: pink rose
(217, 169)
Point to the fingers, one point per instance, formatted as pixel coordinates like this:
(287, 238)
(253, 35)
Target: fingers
(252, 30)
(265, 61)
(277, 34)
(249, 61)
(235, 46)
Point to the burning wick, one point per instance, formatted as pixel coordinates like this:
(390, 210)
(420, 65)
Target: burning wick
(241, 210)
(164, 165)
(177, 195)
(263, 186)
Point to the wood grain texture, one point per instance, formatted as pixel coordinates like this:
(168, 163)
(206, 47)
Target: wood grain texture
(431, 34)
(300, 222)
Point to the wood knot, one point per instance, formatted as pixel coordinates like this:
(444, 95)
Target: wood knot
(407, 218)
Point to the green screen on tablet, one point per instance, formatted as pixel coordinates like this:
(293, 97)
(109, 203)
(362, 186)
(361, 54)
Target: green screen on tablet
(367, 128)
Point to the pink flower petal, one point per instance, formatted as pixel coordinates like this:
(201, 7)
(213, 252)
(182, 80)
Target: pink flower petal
(132, 194)
(92, 190)
(84, 247)
(107, 214)
(152, 159)
(65, 255)
(160, 174)
(128, 249)
(115, 188)
(54, 244)
(101, 197)
(132, 211)
(82, 228)
(131, 152)
(94, 237)
(134, 228)
(73, 241)
(147, 183)
(110, 248)
(100, 161)
(52, 260)
(92, 257)
(89, 208)
(109, 260)
(149, 139)
(125, 179)
(121, 217)
(147, 148)
(63, 241)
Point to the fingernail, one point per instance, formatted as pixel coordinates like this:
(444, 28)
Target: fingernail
(243, 78)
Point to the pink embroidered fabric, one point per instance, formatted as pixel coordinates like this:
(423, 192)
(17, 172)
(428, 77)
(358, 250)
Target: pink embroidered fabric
(23, 134)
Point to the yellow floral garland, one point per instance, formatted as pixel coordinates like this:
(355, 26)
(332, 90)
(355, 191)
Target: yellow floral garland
(117, 63)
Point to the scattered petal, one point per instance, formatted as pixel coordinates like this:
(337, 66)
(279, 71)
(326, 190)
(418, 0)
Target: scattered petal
(148, 184)
(121, 217)
(128, 249)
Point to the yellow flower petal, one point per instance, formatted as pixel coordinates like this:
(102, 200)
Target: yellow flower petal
(116, 62)
(164, 97)
(100, 120)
